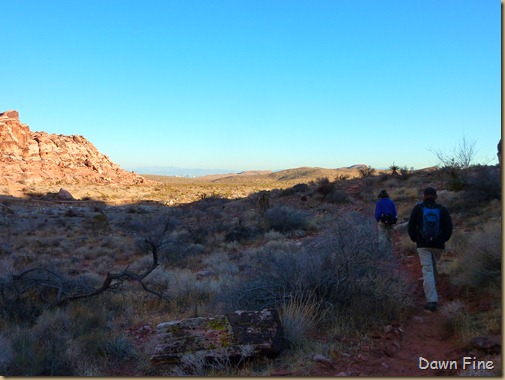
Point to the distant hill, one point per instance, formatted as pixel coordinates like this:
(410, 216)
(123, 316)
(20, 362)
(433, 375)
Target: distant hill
(302, 174)
(282, 177)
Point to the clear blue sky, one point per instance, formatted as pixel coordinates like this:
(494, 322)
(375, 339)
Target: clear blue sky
(257, 84)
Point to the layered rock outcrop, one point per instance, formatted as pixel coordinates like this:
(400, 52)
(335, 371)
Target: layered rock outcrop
(34, 157)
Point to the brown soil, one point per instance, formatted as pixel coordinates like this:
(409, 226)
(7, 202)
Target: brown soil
(396, 350)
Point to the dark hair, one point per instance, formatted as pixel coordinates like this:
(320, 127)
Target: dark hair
(430, 192)
(383, 194)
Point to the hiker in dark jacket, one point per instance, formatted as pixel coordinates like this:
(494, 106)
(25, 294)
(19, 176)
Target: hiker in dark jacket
(429, 249)
(385, 206)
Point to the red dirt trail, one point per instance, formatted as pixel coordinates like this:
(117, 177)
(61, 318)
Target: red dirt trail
(396, 350)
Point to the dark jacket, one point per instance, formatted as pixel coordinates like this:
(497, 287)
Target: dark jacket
(416, 222)
(384, 206)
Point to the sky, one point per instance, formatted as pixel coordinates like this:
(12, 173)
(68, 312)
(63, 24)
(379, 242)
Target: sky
(258, 84)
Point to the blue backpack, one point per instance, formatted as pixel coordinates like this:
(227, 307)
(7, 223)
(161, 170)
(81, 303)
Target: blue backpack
(431, 222)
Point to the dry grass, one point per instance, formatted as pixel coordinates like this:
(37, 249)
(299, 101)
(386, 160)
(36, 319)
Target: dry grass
(217, 241)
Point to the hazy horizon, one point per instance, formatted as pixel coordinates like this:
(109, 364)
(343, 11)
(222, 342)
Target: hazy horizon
(199, 172)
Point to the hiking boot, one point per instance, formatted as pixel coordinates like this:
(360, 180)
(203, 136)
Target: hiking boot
(431, 306)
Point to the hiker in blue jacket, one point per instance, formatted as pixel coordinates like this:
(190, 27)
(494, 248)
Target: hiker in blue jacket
(386, 216)
(430, 245)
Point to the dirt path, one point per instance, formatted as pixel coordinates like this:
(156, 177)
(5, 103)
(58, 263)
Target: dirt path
(396, 350)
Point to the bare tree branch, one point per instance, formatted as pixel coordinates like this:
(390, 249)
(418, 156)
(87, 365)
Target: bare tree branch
(461, 157)
(43, 279)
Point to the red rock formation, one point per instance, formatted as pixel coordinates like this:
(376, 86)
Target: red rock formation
(41, 157)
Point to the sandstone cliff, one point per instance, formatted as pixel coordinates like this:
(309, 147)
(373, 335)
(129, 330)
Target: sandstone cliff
(32, 157)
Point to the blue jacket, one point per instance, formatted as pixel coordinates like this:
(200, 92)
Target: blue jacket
(384, 206)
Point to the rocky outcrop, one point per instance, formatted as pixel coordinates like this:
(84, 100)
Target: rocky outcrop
(38, 156)
(233, 336)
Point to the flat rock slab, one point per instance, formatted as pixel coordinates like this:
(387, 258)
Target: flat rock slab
(237, 335)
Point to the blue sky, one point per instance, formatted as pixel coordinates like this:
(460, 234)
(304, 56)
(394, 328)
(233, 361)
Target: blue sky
(257, 84)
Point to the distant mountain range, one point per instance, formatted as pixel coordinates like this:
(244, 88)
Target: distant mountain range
(223, 175)
(178, 172)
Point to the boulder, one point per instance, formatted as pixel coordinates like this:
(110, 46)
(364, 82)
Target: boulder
(64, 195)
(234, 336)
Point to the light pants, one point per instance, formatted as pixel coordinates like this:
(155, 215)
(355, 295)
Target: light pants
(429, 258)
(385, 238)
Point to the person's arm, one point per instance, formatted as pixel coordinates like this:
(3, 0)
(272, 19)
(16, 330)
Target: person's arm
(446, 221)
(412, 226)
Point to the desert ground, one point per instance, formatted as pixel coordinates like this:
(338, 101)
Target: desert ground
(310, 252)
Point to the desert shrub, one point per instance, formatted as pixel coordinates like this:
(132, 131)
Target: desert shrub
(340, 271)
(455, 317)
(240, 233)
(406, 173)
(461, 156)
(298, 188)
(273, 235)
(119, 347)
(342, 177)
(6, 354)
(383, 177)
(222, 365)
(324, 186)
(410, 195)
(99, 224)
(301, 187)
(186, 290)
(40, 349)
(285, 218)
(219, 264)
(298, 317)
(456, 179)
(479, 263)
(483, 184)
(366, 171)
(212, 201)
(337, 196)
(154, 225)
(23, 361)
(459, 323)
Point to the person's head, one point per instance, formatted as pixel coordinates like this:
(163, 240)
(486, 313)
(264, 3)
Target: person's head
(430, 192)
(383, 194)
